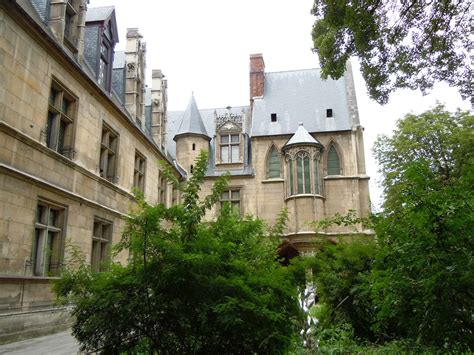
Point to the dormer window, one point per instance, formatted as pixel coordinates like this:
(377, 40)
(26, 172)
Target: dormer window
(101, 37)
(64, 22)
(229, 149)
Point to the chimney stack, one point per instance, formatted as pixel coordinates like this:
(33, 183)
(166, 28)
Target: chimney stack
(257, 75)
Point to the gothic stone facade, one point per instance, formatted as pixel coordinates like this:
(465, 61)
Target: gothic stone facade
(79, 131)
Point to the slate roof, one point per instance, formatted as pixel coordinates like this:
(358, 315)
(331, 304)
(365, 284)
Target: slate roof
(301, 96)
(99, 13)
(302, 137)
(192, 121)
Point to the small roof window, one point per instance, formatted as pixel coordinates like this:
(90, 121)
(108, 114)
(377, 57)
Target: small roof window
(329, 112)
(273, 117)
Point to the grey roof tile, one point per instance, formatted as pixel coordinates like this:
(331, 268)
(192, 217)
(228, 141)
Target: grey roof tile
(99, 13)
(192, 121)
(300, 96)
(302, 137)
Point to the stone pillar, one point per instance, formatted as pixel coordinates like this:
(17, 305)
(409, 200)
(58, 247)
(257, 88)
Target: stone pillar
(57, 13)
(159, 100)
(135, 51)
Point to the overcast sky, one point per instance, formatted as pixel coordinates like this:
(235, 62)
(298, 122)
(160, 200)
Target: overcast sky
(204, 46)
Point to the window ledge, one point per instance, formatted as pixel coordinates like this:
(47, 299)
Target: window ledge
(269, 181)
(305, 196)
(4, 278)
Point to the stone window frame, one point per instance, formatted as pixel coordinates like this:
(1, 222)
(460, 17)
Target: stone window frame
(102, 232)
(139, 172)
(273, 148)
(292, 156)
(49, 238)
(231, 190)
(109, 151)
(61, 119)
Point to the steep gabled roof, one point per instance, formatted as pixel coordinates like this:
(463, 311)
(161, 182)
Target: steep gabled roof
(302, 137)
(192, 121)
(301, 96)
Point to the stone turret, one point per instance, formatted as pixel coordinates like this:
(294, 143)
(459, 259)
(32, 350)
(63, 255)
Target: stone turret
(191, 137)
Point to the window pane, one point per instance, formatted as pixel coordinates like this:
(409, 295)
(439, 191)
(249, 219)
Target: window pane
(225, 139)
(225, 196)
(307, 176)
(52, 220)
(37, 260)
(52, 97)
(235, 195)
(225, 154)
(333, 162)
(274, 164)
(236, 208)
(235, 138)
(316, 177)
(235, 153)
(65, 106)
(50, 131)
(292, 180)
(299, 171)
(62, 135)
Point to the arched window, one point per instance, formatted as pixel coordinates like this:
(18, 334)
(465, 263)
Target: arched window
(334, 166)
(303, 174)
(273, 164)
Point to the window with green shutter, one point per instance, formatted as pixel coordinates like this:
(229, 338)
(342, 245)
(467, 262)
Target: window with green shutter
(273, 164)
(334, 167)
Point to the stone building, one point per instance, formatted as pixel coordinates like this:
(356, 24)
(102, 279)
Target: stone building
(80, 131)
(298, 145)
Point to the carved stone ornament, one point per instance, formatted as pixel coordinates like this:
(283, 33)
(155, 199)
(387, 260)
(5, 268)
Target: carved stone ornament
(294, 152)
(131, 67)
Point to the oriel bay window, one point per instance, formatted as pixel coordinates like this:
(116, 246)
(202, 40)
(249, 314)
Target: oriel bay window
(60, 121)
(48, 240)
(303, 173)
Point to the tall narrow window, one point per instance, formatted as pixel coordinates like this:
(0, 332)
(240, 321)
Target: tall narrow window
(108, 154)
(48, 243)
(162, 189)
(60, 120)
(303, 173)
(334, 167)
(230, 148)
(139, 172)
(101, 238)
(104, 64)
(273, 164)
(232, 197)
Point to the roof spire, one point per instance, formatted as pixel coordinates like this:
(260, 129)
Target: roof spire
(302, 137)
(192, 121)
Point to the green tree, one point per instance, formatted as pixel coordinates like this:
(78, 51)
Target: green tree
(400, 43)
(422, 283)
(190, 286)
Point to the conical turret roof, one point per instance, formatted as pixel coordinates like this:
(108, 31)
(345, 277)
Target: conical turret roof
(192, 121)
(302, 137)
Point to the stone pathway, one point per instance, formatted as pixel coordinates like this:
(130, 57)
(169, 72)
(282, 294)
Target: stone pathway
(55, 344)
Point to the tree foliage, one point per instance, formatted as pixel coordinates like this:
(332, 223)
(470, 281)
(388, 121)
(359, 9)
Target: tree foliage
(422, 281)
(415, 286)
(400, 43)
(190, 286)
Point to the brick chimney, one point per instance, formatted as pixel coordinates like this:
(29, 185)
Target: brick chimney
(257, 75)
